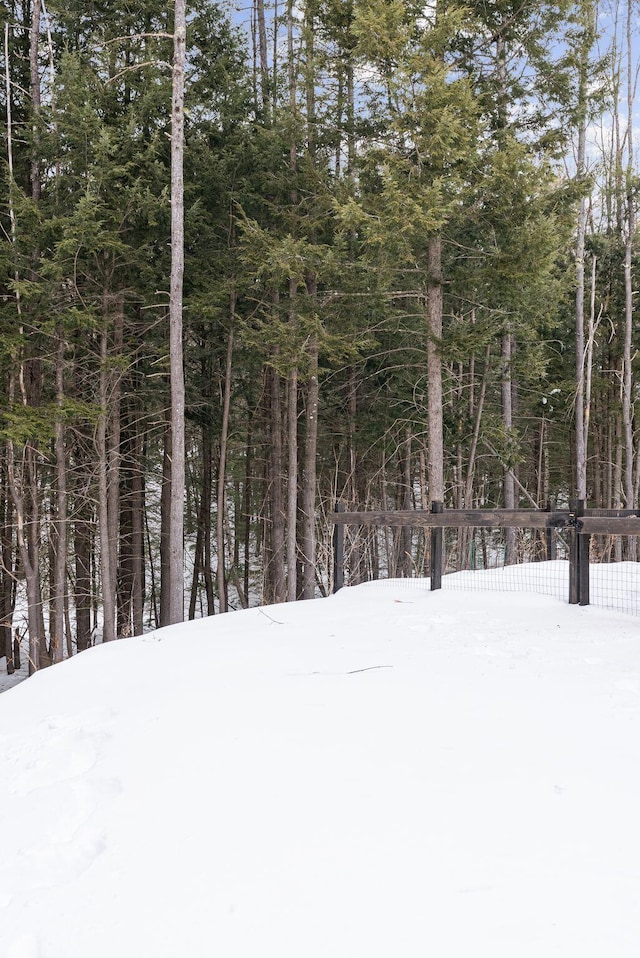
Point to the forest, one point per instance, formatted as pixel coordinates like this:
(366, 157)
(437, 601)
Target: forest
(258, 259)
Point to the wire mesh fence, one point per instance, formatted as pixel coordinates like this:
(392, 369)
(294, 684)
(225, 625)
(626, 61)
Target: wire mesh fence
(505, 560)
(497, 559)
(615, 573)
(474, 559)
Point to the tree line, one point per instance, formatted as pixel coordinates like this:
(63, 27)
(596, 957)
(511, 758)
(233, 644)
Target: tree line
(409, 244)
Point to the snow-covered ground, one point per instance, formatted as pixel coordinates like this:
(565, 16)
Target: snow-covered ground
(388, 772)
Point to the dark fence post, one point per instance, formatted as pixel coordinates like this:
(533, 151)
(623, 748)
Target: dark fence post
(338, 551)
(437, 537)
(578, 557)
(550, 536)
(574, 576)
(584, 548)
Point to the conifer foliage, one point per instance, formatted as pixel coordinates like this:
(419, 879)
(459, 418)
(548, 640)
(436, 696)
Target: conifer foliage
(258, 261)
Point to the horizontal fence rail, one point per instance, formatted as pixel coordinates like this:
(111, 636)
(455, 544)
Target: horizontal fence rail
(472, 518)
(577, 524)
(601, 525)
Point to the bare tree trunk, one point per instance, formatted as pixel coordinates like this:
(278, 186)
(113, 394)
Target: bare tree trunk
(404, 537)
(165, 522)
(508, 482)
(264, 61)
(292, 485)
(36, 191)
(246, 513)
(611, 484)
(309, 479)
(276, 512)
(391, 571)
(222, 470)
(115, 308)
(508, 479)
(588, 373)
(357, 553)
(177, 470)
(202, 563)
(618, 478)
(131, 560)
(137, 532)
(468, 489)
(309, 471)
(581, 439)
(24, 482)
(202, 559)
(207, 570)
(106, 547)
(627, 396)
(197, 567)
(435, 451)
(598, 480)
(124, 574)
(7, 505)
(60, 561)
(7, 572)
(292, 384)
(581, 450)
(82, 548)
(29, 555)
(34, 70)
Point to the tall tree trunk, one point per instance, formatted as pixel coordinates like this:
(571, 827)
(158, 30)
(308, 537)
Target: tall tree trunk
(131, 509)
(246, 511)
(34, 70)
(508, 482)
(202, 563)
(292, 484)
(165, 524)
(22, 482)
(264, 60)
(581, 425)
(468, 488)
(618, 478)
(177, 469)
(222, 469)
(278, 590)
(114, 310)
(435, 451)
(60, 560)
(357, 572)
(627, 395)
(197, 566)
(29, 551)
(292, 383)
(125, 573)
(82, 595)
(207, 483)
(309, 478)
(137, 531)
(107, 550)
(7, 572)
(309, 471)
(406, 498)
(581, 450)
(588, 372)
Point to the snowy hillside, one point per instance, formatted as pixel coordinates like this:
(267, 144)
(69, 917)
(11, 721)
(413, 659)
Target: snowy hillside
(388, 773)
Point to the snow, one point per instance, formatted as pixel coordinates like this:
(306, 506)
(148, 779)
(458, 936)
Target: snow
(386, 772)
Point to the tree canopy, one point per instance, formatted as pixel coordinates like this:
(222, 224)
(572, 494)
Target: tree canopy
(409, 258)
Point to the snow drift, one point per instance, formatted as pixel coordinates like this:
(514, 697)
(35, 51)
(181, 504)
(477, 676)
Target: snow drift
(388, 772)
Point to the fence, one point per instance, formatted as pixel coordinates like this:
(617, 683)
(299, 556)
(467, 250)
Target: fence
(573, 537)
